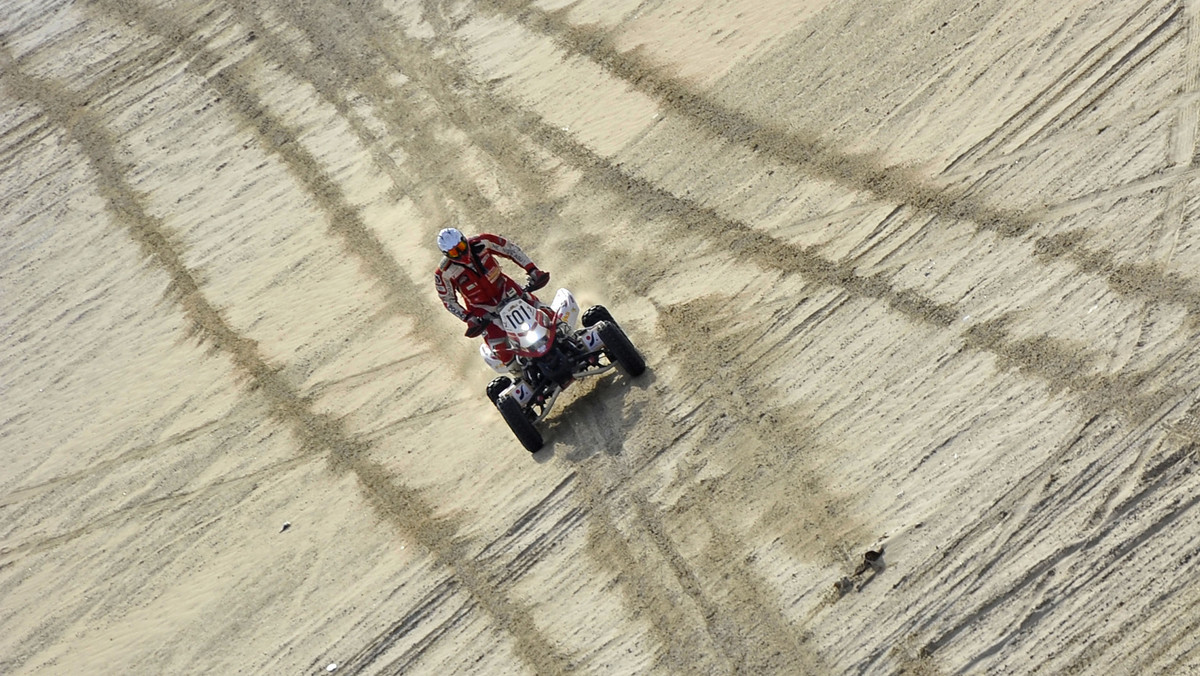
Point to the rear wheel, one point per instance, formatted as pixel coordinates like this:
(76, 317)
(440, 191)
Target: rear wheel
(620, 349)
(519, 423)
(497, 387)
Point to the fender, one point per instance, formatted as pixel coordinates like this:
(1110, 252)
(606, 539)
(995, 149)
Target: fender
(490, 358)
(565, 308)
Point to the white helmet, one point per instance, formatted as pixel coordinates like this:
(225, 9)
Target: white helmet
(449, 239)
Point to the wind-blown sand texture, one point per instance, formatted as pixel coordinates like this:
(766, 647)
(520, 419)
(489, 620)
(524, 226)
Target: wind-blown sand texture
(918, 276)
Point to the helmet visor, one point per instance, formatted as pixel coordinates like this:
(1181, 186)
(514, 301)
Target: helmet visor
(458, 250)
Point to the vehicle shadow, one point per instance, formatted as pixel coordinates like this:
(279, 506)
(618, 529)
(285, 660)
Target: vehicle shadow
(595, 418)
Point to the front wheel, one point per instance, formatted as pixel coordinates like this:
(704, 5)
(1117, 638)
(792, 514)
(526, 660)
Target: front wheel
(596, 314)
(519, 423)
(497, 386)
(619, 348)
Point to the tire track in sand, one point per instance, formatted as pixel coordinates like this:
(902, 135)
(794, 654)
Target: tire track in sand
(779, 638)
(1026, 348)
(286, 53)
(809, 154)
(1166, 477)
(1184, 143)
(1042, 357)
(1033, 356)
(438, 160)
(1103, 65)
(1017, 523)
(1062, 364)
(428, 606)
(1033, 353)
(132, 455)
(402, 59)
(1161, 482)
(627, 559)
(279, 139)
(170, 502)
(671, 628)
(1127, 62)
(1130, 279)
(1185, 152)
(989, 339)
(403, 507)
(805, 151)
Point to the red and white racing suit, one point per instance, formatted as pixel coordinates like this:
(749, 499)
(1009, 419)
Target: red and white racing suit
(482, 284)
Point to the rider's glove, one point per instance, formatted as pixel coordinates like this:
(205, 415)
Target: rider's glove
(475, 326)
(537, 279)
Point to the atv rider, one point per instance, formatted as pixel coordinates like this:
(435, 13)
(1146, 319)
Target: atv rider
(470, 268)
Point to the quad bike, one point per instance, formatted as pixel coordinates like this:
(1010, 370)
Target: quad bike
(552, 352)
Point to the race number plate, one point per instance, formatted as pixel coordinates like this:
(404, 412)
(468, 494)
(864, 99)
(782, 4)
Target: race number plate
(517, 316)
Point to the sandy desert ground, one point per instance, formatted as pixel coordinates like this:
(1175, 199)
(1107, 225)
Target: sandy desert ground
(918, 275)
